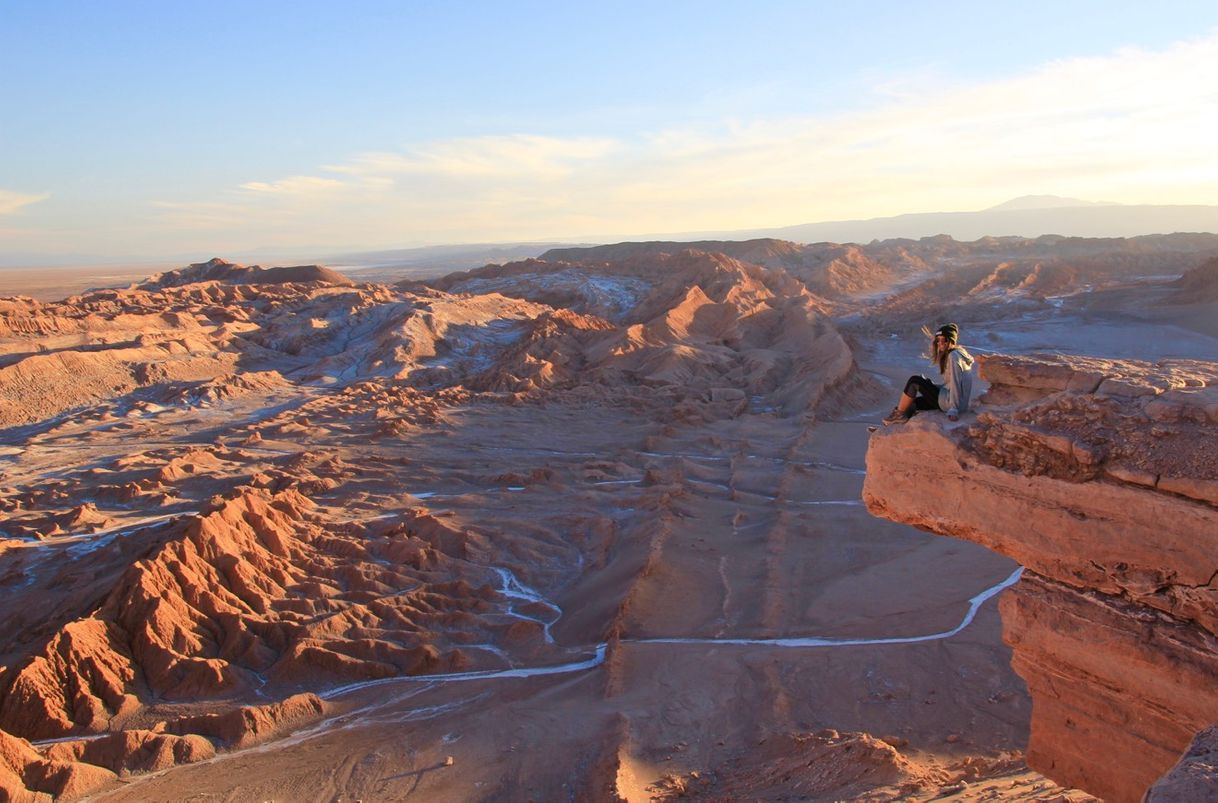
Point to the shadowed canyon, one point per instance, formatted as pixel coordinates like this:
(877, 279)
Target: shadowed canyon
(610, 524)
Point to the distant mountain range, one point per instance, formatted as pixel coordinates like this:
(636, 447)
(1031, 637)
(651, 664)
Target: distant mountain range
(1045, 202)
(431, 261)
(1026, 216)
(1029, 216)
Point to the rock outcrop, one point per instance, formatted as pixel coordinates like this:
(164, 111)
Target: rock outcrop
(1101, 478)
(249, 725)
(252, 593)
(28, 777)
(219, 270)
(1199, 284)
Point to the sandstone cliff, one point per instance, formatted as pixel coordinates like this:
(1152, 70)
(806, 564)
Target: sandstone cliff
(1101, 478)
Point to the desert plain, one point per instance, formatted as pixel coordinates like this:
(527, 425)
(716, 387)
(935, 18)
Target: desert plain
(582, 527)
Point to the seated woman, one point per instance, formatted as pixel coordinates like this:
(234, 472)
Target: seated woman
(955, 366)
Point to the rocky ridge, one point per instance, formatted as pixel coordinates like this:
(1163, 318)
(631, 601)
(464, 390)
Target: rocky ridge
(220, 270)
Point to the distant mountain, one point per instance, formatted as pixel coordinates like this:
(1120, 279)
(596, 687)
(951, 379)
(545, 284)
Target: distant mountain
(837, 270)
(1020, 218)
(1044, 202)
(768, 252)
(1027, 216)
(452, 257)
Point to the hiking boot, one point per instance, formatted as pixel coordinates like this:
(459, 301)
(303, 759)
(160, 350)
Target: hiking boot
(895, 417)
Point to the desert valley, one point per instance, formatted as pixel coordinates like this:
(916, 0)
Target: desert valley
(611, 524)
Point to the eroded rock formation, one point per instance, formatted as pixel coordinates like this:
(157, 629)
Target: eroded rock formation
(1101, 478)
(240, 503)
(167, 636)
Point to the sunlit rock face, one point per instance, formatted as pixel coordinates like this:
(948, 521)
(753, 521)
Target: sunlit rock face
(1100, 477)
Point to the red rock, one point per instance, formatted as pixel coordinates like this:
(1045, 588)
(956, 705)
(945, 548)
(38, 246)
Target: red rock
(1111, 506)
(41, 702)
(249, 725)
(134, 751)
(25, 775)
(1105, 672)
(1106, 536)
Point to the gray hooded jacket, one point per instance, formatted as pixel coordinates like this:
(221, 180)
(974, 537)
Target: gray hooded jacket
(957, 387)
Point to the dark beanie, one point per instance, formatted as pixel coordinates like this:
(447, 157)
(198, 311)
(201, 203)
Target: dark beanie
(949, 331)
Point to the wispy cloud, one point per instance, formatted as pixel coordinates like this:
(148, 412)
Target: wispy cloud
(1132, 126)
(537, 157)
(11, 201)
(294, 185)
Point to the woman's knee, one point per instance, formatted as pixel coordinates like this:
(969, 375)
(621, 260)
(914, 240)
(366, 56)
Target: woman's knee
(914, 384)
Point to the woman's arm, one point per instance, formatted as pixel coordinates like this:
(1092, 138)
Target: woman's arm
(954, 389)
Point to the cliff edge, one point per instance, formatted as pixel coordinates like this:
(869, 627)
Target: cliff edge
(1101, 478)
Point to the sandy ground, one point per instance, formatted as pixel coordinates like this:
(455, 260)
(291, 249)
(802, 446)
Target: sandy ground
(55, 283)
(725, 561)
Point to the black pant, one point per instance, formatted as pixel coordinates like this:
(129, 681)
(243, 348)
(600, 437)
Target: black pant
(924, 393)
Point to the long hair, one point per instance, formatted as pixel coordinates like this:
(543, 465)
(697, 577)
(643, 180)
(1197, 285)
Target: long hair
(936, 359)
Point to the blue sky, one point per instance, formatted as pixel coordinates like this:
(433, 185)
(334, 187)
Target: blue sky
(157, 130)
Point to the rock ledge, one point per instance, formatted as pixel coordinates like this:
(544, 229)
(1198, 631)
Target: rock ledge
(1101, 478)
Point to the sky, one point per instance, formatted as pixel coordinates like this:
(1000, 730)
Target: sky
(154, 130)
